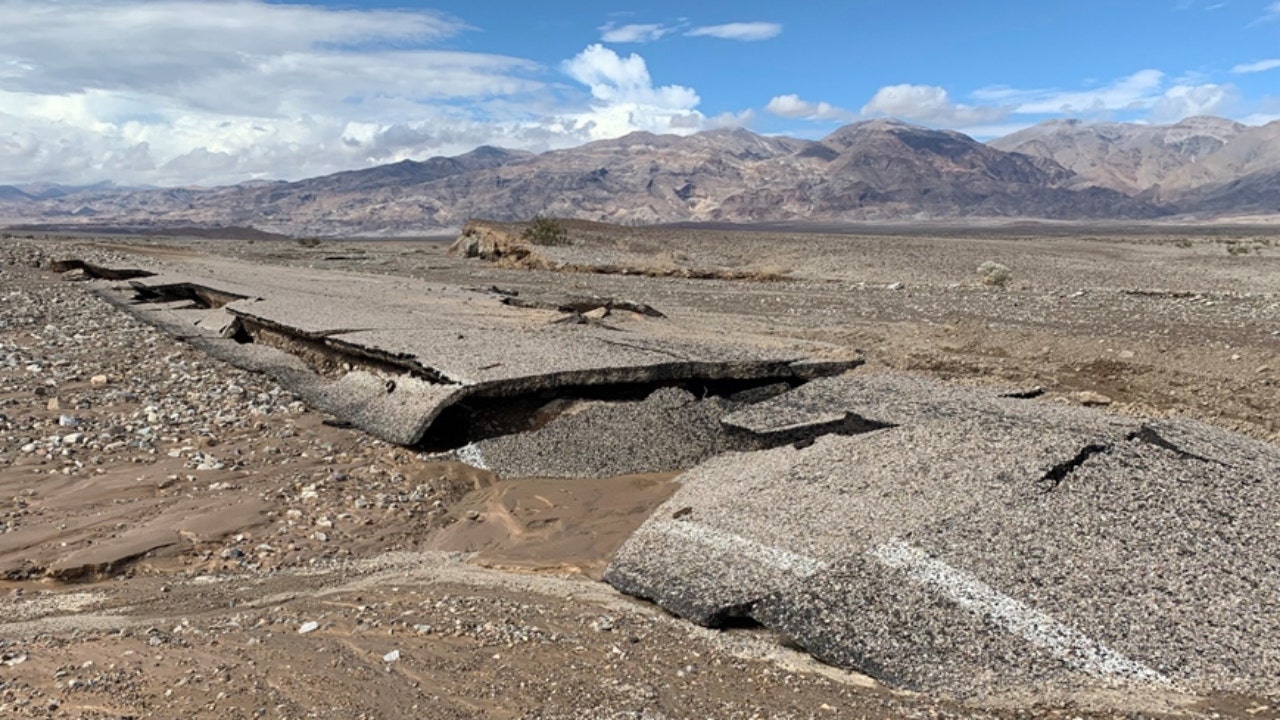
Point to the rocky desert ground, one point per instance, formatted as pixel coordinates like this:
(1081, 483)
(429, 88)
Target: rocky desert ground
(182, 538)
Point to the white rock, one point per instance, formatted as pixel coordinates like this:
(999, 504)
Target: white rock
(307, 627)
(391, 657)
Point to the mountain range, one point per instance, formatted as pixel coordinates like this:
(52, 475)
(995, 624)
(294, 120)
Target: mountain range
(1202, 167)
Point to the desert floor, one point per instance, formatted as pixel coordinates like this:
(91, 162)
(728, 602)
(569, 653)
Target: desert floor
(320, 572)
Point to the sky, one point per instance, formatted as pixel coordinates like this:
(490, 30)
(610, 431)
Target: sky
(209, 92)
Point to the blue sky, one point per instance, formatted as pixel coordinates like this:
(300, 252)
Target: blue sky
(206, 92)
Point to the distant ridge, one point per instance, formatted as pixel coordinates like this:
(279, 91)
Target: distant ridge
(1200, 164)
(868, 171)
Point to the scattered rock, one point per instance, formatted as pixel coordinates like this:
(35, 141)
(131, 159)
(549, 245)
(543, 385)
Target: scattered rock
(1089, 398)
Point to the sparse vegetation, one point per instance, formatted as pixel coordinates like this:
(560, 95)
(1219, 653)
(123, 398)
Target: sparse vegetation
(545, 231)
(309, 242)
(994, 274)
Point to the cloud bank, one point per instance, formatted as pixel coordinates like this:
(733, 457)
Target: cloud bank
(1144, 96)
(181, 92)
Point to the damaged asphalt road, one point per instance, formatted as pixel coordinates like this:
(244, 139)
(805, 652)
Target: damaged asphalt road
(432, 365)
(980, 545)
(936, 538)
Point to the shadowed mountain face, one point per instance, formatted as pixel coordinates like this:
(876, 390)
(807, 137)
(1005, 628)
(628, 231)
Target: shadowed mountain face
(875, 170)
(11, 193)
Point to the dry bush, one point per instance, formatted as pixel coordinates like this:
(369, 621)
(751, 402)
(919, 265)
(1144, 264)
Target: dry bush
(994, 274)
(545, 231)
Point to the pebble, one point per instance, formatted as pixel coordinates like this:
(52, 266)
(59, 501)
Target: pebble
(309, 626)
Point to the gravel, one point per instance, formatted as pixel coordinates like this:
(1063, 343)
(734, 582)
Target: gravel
(669, 430)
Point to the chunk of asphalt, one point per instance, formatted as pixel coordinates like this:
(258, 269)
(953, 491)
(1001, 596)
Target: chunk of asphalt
(879, 400)
(754, 523)
(428, 347)
(930, 556)
(669, 430)
(97, 271)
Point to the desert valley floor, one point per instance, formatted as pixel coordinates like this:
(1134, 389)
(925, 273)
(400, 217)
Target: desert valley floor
(182, 537)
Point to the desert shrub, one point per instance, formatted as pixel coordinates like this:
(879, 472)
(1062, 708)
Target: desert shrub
(1238, 249)
(994, 274)
(545, 231)
(309, 242)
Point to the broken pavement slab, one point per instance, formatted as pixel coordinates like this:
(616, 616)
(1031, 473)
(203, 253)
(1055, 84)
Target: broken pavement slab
(977, 545)
(90, 270)
(392, 355)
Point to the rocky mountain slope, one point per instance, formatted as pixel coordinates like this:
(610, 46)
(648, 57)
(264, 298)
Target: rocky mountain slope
(1123, 156)
(874, 170)
(1201, 164)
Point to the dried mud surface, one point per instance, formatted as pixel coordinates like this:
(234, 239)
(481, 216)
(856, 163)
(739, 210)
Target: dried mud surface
(171, 527)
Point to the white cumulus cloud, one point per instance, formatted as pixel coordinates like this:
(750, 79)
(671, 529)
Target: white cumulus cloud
(924, 104)
(625, 98)
(745, 31)
(930, 105)
(613, 78)
(791, 106)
